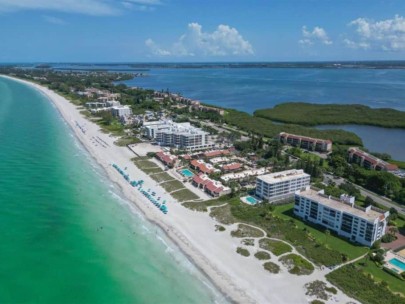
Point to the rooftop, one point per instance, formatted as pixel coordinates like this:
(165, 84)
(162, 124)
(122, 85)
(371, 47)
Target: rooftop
(283, 176)
(369, 213)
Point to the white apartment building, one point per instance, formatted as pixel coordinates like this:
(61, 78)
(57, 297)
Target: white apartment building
(281, 185)
(119, 111)
(360, 225)
(179, 135)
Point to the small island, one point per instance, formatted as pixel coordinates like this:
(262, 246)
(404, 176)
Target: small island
(309, 114)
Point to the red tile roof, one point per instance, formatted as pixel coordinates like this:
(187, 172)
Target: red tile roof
(166, 158)
(211, 187)
(233, 166)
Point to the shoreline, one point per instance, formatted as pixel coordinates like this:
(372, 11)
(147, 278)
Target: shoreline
(239, 279)
(181, 242)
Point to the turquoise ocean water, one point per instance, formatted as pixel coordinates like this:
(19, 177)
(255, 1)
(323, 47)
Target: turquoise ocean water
(66, 235)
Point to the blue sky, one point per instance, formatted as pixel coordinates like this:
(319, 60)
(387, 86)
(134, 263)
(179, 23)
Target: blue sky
(206, 30)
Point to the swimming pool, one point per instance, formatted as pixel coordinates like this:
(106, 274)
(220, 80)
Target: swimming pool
(251, 200)
(398, 263)
(186, 173)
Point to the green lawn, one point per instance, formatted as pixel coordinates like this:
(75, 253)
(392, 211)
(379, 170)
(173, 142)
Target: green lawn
(172, 185)
(333, 242)
(184, 195)
(379, 275)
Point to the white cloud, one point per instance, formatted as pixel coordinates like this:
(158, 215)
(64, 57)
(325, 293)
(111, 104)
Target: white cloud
(318, 34)
(54, 20)
(225, 40)
(87, 7)
(155, 49)
(356, 45)
(387, 35)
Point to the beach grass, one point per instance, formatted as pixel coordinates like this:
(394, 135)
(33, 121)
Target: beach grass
(184, 195)
(172, 185)
(360, 284)
(296, 264)
(271, 267)
(162, 177)
(246, 231)
(276, 247)
(144, 164)
(152, 170)
(202, 206)
(262, 255)
(127, 140)
(223, 215)
(242, 251)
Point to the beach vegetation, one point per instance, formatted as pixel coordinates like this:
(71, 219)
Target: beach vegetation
(243, 251)
(271, 267)
(316, 301)
(202, 206)
(275, 247)
(184, 195)
(367, 284)
(220, 228)
(320, 290)
(262, 255)
(143, 163)
(296, 264)
(279, 222)
(163, 177)
(127, 140)
(247, 231)
(309, 114)
(248, 242)
(172, 185)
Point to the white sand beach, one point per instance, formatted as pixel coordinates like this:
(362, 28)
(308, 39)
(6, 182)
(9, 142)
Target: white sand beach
(241, 279)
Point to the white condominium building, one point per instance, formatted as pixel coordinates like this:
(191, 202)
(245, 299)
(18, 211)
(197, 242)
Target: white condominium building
(119, 111)
(281, 185)
(179, 135)
(361, 225)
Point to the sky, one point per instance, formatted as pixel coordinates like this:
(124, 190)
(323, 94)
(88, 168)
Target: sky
(201, 30)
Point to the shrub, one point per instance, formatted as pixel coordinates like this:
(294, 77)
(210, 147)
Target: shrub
(271, 267)
(262, 255)
(297, 264)
(243, 251)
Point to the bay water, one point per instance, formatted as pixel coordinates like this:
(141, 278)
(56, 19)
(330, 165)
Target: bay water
(249, 89)
(66, 233)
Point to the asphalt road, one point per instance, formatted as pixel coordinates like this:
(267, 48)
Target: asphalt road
(376, 197)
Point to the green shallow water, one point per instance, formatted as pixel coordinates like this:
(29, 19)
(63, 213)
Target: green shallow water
(66, 235)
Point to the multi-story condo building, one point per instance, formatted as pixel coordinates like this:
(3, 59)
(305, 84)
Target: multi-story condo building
(369, 161)
(281, 185)
(118, 111)
(307, 143)
(179, 135)
(360, 225)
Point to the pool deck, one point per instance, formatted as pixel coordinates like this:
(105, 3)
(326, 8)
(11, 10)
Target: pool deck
(392, 255)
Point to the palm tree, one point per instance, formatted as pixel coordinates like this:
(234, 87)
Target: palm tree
(393, 230)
